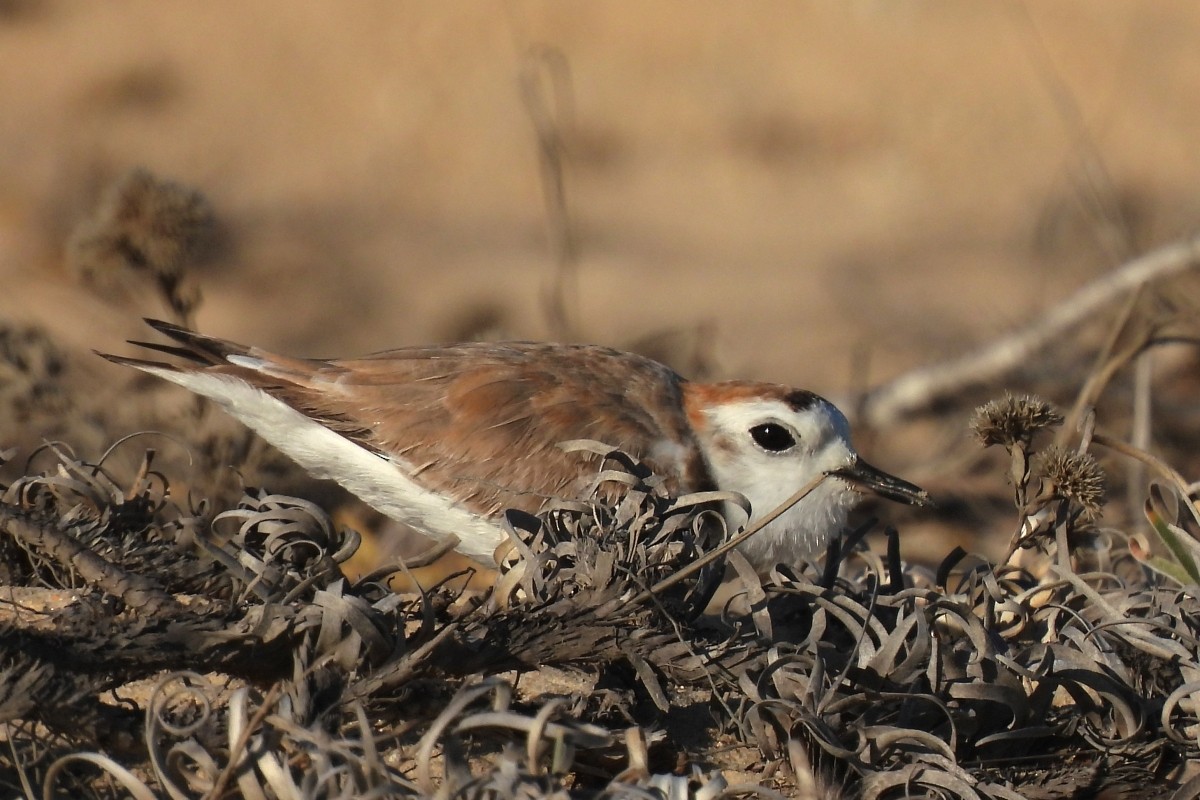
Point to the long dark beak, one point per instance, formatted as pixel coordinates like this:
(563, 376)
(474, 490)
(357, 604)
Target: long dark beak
(866, 478)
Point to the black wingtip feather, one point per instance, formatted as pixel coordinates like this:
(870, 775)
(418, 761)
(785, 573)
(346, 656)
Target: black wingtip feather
(196, 346)
(137, 363)
(171, 350)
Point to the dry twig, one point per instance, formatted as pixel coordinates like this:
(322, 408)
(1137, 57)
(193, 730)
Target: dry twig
(920, 388)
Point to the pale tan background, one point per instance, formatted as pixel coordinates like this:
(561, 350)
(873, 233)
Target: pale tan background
(831, 192)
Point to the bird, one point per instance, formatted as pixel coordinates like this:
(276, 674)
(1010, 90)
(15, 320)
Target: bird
(445, 438)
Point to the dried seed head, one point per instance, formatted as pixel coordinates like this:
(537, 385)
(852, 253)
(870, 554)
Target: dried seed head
(1072, 476)
(1010, 420)
(144, 229)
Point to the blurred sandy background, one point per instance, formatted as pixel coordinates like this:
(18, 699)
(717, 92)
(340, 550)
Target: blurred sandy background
(823, 194)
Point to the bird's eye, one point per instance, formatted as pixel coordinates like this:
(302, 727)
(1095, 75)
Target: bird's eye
(773, 437)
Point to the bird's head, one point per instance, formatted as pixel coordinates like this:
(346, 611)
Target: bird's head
(766, 442)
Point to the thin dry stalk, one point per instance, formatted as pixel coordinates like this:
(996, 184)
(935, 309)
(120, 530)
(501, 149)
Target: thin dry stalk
(546, 89)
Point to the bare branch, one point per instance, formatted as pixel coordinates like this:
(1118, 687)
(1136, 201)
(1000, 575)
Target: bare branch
(920, 388)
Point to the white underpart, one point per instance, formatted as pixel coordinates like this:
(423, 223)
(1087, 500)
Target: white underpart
(378, 481)
(769, 479)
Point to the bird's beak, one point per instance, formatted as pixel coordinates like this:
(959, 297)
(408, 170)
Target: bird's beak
(866, 478)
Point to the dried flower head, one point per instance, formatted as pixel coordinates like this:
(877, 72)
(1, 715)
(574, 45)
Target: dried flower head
(144, 229)
(1010, 420)
(1072, 476)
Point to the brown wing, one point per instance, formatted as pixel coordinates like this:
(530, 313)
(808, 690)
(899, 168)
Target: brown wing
(482, 422)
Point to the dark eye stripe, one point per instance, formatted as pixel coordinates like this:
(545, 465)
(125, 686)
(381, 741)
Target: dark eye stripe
(773, 437)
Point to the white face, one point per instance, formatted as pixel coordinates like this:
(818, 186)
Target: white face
(767, 450)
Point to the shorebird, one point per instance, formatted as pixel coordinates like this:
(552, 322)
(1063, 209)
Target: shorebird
(444, 438)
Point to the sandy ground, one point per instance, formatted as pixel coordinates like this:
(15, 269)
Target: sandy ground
(822, 194)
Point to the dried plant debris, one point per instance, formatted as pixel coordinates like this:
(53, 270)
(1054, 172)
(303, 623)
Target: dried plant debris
(218, 653)
(141, 239)
(31, 369)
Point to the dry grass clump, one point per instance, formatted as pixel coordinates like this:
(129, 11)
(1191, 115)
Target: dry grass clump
(31, 368)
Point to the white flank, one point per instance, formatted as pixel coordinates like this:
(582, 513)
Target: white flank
(377, 481)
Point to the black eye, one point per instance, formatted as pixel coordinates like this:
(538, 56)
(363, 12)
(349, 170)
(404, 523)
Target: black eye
(773, 437)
